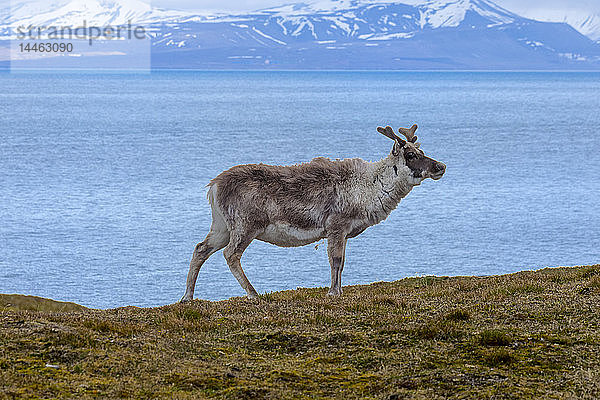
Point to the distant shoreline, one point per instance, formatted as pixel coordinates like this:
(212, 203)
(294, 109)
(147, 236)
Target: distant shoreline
(133, 71)
(24, 302)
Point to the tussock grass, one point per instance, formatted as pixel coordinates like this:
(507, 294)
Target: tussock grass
(494, 337)
(525, 335)
(499, 358)
(458, 315)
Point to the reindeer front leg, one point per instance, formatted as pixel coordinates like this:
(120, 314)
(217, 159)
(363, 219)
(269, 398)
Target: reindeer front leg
(336, 249)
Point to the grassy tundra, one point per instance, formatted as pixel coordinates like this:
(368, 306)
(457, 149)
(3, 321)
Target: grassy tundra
(525, 335)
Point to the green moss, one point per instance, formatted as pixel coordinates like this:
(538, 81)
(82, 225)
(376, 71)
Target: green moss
(104, 326)
(494, 337)
(499, 357)
(191, 314)
(246, 393)
(594, 282)
(525, 288)
(286, 376)
(437, 330)
(76, 340)
(268, 297)
(458, 315)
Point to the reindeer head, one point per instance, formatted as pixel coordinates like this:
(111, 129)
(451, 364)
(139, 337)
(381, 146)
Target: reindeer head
(407, 153)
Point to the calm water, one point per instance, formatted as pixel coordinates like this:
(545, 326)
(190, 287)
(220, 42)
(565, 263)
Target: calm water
(102, 177)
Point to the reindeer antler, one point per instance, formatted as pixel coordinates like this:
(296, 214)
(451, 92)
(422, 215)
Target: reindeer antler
(389, 132)
(409, 133)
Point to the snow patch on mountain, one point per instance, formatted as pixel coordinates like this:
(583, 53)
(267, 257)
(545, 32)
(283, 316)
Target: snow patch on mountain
(390, 36)
(94, 12)
(587, 24)
(269, 37)
(432, 13)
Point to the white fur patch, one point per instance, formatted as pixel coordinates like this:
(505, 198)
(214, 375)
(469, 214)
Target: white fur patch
(285, 235)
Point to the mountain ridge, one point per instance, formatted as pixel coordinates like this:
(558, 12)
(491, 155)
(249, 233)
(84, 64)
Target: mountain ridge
(41, 12)
(348, 34)
(584, 22)
(339, 34)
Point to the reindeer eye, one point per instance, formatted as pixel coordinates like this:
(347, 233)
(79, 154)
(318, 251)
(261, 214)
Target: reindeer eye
(410, 156)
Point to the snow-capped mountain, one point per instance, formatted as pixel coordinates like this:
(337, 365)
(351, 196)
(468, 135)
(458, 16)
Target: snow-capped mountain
(586, 23)
(95, 12)
(589, 25)
(326, 20)
(433, 14)
(357, 34)
(337, 34)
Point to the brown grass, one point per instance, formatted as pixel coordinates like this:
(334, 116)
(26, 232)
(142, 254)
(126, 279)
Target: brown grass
(525, 335)
(20, 302)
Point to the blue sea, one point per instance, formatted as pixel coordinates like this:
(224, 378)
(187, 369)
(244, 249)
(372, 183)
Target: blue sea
(102, 176)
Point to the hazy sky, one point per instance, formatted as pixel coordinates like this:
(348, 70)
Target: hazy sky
(526, 8)
(523, 7)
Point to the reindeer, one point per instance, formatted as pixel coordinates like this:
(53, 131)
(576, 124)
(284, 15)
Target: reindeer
(295, 205)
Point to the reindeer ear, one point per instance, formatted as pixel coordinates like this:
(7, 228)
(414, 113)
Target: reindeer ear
(397, 148)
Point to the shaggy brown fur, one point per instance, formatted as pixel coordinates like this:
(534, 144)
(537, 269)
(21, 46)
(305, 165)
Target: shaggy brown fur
(304, 195)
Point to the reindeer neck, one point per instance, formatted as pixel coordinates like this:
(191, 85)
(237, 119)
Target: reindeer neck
(389, 185)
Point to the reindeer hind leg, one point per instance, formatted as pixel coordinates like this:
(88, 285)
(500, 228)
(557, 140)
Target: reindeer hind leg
(217, 238)
(238, 243)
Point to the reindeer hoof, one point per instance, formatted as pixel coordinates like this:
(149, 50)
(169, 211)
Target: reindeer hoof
(185, 299)
(334, 293)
